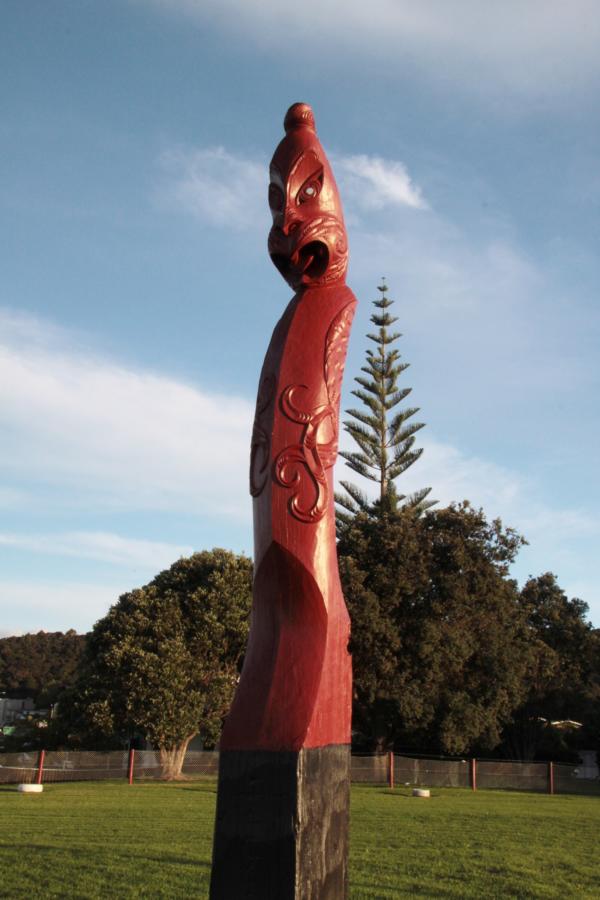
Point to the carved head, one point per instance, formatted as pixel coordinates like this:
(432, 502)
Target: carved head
(307, 242)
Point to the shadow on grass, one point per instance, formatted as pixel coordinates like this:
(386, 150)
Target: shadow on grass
(85, 854)
(49, 848)
(196, 790)
(180, 861)
(377, 891)
(402, 795)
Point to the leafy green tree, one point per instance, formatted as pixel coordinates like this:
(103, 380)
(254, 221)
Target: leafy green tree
(165, 660)
(439, 640)
(383, 430)
(565, 683)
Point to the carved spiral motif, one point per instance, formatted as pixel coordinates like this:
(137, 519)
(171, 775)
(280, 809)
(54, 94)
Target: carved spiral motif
(311, 457)
(308, 456)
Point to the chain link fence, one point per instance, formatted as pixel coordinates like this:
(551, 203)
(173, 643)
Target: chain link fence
(385, 769)
(18, 768)
(567, 781)
(431, 772)
(197, 764)
(410, 770)
(516, 776)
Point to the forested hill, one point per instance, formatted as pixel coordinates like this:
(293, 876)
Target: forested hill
(39, 665)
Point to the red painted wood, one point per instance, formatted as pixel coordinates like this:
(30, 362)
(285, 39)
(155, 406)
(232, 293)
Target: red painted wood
(130, 766)
(40, 767)
(295, 688)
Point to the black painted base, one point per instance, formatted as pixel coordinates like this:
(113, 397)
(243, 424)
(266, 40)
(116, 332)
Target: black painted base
(281, 830)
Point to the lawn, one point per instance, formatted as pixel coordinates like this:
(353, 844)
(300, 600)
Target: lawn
(154, 841)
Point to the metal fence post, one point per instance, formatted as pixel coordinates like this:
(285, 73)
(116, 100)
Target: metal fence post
(550, 777)
(391, 769)
(473, 773)
(40, 767)
(131, 765)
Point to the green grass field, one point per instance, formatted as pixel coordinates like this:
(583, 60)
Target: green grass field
(154, 841)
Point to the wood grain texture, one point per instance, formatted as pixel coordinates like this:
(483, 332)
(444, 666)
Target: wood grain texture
(281, 825)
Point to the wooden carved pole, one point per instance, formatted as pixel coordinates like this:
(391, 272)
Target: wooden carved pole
(282, 810)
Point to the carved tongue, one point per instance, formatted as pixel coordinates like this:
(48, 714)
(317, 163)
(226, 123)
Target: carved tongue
(300, 262)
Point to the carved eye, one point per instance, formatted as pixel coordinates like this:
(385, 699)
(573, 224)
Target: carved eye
(311, 188)
(276, 198)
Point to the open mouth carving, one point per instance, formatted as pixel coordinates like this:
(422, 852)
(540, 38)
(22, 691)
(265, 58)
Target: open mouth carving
(315, 254)
(305, 264)
(313, 259)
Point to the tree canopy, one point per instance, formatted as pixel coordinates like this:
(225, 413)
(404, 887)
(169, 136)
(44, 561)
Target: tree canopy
(165, 660)
(565, 683)
(440, 644)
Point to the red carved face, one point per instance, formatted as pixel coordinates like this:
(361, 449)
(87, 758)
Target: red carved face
(307, 242)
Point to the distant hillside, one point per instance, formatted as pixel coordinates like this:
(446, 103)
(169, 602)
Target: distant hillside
(40, 665)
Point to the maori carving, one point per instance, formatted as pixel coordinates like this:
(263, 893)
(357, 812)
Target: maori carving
(314, 261)
(282, 809)
(309, 456)
(295, 687)
(307, 242)
(317, 448)
(335, 353)
(261, 443)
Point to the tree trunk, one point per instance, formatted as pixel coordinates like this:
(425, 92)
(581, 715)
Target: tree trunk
(171, 759)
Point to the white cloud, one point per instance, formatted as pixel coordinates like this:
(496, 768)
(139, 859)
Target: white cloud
(116, 437)
(453, 475)
(566, 523)
(554, 533)
(456, 475)
(481, 288)
(219, 187)
(530, 47)
(228, 190)
(502, 491)
(373, 183)
(55, 607)
(10, 498)
(481, 304)
(104, 546)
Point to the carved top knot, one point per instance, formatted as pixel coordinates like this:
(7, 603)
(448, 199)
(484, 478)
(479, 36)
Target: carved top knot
(299, 115)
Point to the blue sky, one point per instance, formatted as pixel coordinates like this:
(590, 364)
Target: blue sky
(137, 298)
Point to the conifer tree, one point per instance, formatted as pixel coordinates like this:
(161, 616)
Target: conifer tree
(385, 438)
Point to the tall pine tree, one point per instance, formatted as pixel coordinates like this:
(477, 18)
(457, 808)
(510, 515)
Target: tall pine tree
(385, 438)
